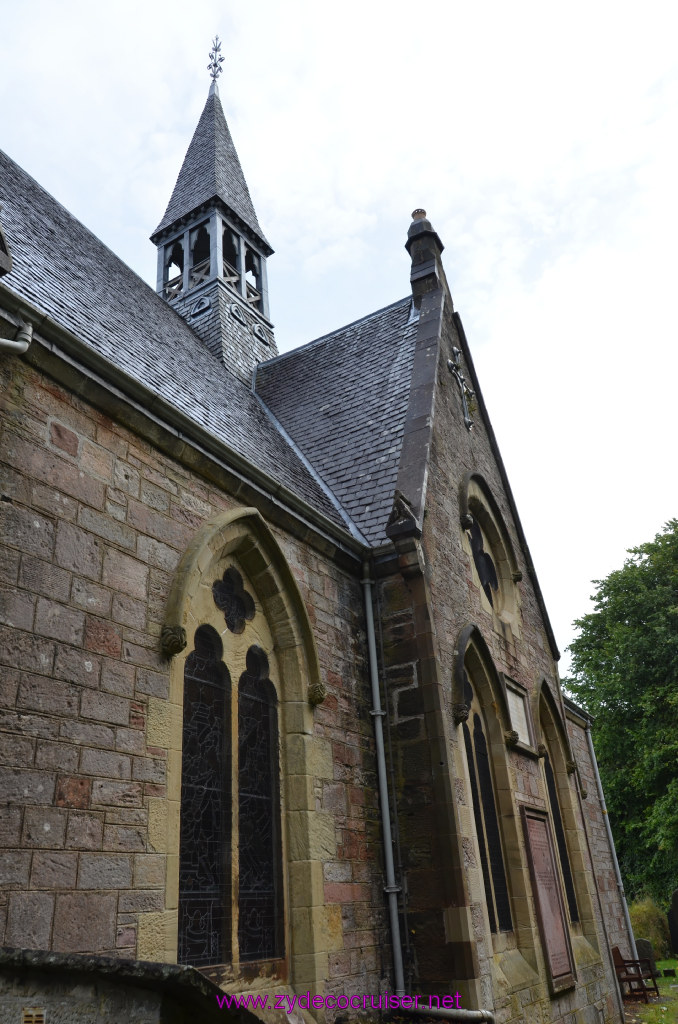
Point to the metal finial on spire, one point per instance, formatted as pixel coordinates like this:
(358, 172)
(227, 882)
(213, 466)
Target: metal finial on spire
(216, 60)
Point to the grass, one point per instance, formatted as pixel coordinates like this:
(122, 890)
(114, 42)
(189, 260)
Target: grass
(663, 1010)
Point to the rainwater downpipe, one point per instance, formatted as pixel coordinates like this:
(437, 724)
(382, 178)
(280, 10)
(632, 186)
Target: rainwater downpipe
(392, 888)
(24, 336)
(615, 862)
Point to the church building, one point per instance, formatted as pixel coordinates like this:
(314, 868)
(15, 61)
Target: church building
(280, 712)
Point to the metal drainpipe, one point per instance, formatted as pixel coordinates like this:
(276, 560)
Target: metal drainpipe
(615, 862)
(24, 336)
(451, 1014)
(391, 888)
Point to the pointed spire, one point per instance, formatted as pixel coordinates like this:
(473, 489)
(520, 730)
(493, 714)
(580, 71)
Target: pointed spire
(211, 171)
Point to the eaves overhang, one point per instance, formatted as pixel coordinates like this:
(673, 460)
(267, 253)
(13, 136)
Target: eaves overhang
(74, 364)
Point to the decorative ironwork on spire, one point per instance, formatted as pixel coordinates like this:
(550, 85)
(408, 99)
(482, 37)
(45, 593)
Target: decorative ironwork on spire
(216, 60)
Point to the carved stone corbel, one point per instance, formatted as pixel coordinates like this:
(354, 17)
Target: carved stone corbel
(460, 713)
(172, 640)
(316, 693)
(511, 738)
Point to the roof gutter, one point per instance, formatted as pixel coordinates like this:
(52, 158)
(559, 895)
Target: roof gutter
(150, 409)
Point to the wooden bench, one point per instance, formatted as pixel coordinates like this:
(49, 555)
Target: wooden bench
(636, 974)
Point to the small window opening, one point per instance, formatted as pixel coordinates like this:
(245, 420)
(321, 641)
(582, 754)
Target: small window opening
(200, 252)
(485, 567)
(253, 278)
(230, 249)
(175, 270)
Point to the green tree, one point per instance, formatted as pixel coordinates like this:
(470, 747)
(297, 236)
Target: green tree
(625, 674)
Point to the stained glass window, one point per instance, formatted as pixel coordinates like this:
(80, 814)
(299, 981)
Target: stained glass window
(486, 819)
(205, 839)
(260, 888)
(208, 842)
(557, 819)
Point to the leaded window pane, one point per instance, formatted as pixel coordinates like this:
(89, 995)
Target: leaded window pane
(205, 838)
(479, 828)
(260, 888)
(560, 839)
(492, 827)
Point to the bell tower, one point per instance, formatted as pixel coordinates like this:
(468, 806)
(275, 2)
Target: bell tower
(211, 251)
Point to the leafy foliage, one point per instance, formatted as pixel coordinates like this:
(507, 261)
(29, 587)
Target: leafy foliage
(625, 664)
(649, 922)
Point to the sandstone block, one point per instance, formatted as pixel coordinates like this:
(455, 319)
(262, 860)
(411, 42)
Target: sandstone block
(77, 666)
(155, 684)
(16, 608)
(148, 769)
(149, 870)
(58, 621)
(29, 531)
(53, 870)
(96, 460)
(84, 831)
(63, 438)
(51, 696)
(117, 677)
(88, 733)
(104, 871)
(129, 611)
(9, 565)
(109, 529)
(78, 551)
(104, 762)
(14, 868)
(10, 825)
(126, 477)
(154, 552)
(91, 597)
(29, 920)
(44, 827)
(102, 637)
(17, 751)
(106, 793)
(105, 707)
(44, 578)
(141, 901)
(124, 839)
(24, 786)
(72, 791)
(98, 911)
(125, 574)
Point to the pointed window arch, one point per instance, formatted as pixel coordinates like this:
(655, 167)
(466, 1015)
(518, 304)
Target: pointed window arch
(237, 603)
(485, 815)
(205, 841)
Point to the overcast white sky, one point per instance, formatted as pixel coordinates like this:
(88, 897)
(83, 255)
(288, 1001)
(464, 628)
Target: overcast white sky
(541, 139)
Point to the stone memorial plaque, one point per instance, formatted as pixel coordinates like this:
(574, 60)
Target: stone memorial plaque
(548, 899)
(518, 712)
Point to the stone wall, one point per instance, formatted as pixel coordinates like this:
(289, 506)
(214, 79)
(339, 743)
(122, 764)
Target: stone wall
(436, 596)
(94, 523)
(611, 901)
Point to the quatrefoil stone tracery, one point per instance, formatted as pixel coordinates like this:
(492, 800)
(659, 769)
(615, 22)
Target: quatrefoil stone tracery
(233, 600)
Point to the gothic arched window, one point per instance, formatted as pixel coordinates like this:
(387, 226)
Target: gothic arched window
(205, 843)
(260, 885)
(230, 858)
(486, 818)
(563, 857)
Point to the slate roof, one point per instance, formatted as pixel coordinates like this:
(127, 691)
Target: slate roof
(64, 271)
(343, 400)
(211, 170)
